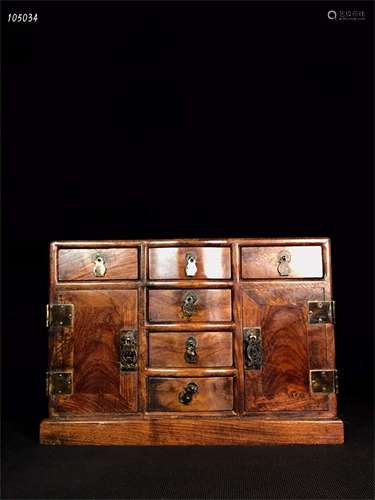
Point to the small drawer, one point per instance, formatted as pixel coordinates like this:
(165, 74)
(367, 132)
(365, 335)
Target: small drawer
(88, 264)
(190, 349)
(190, 394)
(282, 262)
(190, 263)
(172, 306)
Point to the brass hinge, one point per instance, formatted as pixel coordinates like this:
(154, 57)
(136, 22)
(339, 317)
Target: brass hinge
(59, 383)
(321, 311)
(324, 381)
(59, 315)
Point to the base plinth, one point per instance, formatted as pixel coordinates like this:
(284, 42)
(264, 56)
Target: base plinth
(189, 431)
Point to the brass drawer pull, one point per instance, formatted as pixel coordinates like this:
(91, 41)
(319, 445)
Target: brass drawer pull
(99, 265)
(186, 396)
(191, 355)
(188, 304)
(190, 265)
(283, 267)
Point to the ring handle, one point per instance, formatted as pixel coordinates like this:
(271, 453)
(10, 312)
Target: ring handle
(186, 395)
(191, 355)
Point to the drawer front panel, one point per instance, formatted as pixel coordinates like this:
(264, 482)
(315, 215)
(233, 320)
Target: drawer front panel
(190, 349)
(207, 263)
(86, 264)
(282, 262)
(212, 394)
(189, 305)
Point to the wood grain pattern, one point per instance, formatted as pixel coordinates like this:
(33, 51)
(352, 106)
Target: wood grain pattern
(169, 263)
(78, 264)
(212, 305)
(190, 431)
(60, 341)
(238, 286)
(168, 349)
(97, 382)
(214, 394)
(283, 382)
(262, 262)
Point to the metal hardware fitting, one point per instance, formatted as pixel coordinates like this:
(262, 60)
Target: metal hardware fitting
(190, 265)
(284, 258)
(188, 304)
(253, 348)
(59, 315)
(191, 355)
(59, 383)
(128, 350)
(321, 312)
(324, 381)
(186, 395)
(99, 265)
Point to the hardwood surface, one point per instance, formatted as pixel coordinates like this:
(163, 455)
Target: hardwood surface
(238, 285)
(211, 305)
(214, 394)
(78, 264)
(168, 349)
(283, 382)
(98, 384)
(262, 262)
(190, 431)
(169, 263)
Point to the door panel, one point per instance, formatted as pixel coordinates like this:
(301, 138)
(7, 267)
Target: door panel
(98, 384)
(290, 348)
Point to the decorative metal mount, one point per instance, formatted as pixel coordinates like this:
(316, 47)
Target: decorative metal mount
(59, 315)
(186, 396)
(253, 348)
(191, 355)
(59, 383)
(190, 265)
(324, 381)
(284, 259)
(128, 350)
(321, 312)
(99, 265)
(188, 304)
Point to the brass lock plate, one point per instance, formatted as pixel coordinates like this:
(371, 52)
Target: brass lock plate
(60, 315)
(321, 312)
(59, 383)
(324, 381)
(253, 353)
(128, 350)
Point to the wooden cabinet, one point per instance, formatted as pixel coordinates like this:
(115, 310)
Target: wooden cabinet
(191, 342)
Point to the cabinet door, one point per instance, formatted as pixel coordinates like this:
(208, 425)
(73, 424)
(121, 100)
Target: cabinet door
(90, 350)
(290, 348)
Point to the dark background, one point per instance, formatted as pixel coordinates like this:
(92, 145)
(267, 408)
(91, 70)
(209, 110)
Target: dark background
(200, 119)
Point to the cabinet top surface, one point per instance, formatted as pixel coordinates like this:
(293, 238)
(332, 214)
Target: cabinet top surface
(196, 241)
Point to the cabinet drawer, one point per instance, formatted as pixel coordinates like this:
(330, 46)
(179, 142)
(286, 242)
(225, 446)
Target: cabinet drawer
(190, 263)
(175, 394)
(190, 349)
(282, 262)
(189, 305)
(76, 264)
